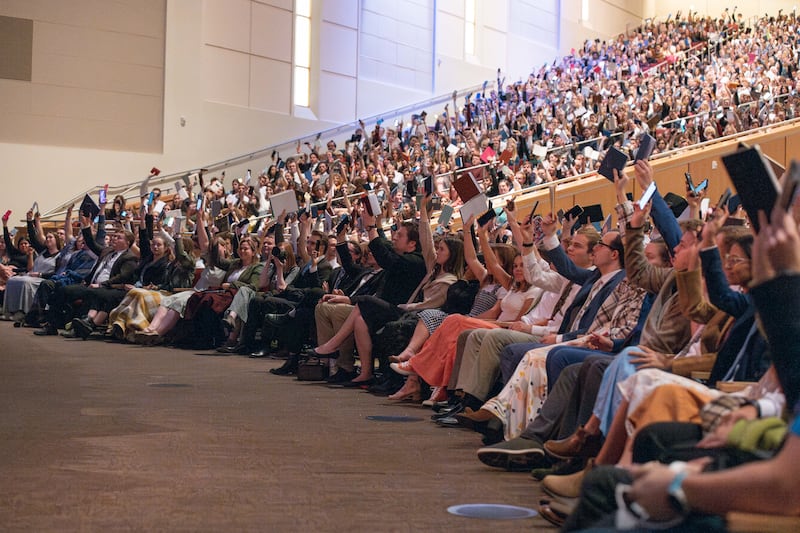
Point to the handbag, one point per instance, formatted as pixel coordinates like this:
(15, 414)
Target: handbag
(312, 369)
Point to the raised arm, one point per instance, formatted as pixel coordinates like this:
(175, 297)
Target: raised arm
(201, 231)
(492, 263)
(470, 254)
(426, 235)
(68, 224)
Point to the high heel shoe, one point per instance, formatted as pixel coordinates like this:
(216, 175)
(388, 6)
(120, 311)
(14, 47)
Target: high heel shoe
(438, 394)
(409, 392)
(404, 368)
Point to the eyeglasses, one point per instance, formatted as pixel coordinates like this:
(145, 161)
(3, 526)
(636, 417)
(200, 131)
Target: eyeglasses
(735, 259)
(601, 243)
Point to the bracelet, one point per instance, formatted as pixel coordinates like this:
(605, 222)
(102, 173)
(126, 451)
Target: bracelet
(527, 245)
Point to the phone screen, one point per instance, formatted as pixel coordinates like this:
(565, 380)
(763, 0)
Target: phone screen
(102, 196)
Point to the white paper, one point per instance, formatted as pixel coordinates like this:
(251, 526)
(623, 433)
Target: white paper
(283, 201)
(539, 151)
(477, 205)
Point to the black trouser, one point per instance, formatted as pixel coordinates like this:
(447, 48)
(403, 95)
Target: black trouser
(62, 304)
(570, 402)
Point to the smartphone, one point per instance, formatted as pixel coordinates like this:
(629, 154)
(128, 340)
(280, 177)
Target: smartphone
(647, 195)
(318, 245)
(574, 213)
(342, 224)
(102, 194)
(314, 211)
(486, 217)
(646, 146)
(427, 183)
(124, 214)
(790, 189)
(199, 204)
(6, 215)
(411, 188)
(726, 196)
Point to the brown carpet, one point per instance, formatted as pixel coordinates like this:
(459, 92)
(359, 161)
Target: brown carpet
(102, 436)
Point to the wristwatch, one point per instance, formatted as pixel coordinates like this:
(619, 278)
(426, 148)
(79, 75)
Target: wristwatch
(676, 496)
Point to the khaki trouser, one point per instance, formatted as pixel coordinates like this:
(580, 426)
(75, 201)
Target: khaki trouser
(329, 318)
(480, 362)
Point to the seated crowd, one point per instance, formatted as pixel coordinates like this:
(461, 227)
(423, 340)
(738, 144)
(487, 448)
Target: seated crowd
(571, 353)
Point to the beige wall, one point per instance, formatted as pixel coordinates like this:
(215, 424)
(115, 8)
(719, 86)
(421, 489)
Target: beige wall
(97, 76)
(181, 84)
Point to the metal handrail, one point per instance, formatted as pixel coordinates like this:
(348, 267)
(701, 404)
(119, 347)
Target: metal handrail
(243, 158)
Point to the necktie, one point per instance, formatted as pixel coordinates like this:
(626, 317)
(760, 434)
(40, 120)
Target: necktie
(562, 299)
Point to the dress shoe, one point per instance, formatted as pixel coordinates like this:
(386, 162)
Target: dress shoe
(515, 455)
(69, 334)
(579, 444)
(342, 376)
(448, 421)
(46, 331)
(227, 349)
(287, 369)
(263, 352)
(451, 412)
(553, 516)
(363, 384)
(568, 486)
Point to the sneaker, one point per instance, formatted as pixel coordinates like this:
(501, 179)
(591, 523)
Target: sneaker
(515, 455)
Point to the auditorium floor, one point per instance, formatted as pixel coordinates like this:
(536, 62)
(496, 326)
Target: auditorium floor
(100, 436)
